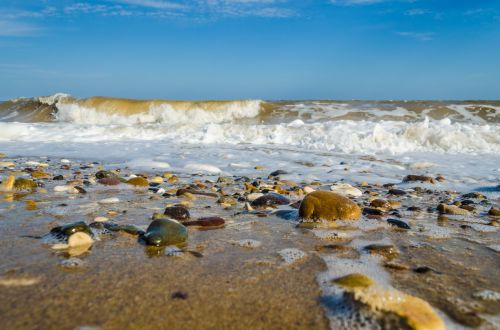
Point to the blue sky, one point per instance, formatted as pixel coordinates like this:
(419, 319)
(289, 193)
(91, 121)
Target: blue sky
(266, 49)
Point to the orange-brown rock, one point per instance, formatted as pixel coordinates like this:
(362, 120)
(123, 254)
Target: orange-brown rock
(138, 182)
(327, 205)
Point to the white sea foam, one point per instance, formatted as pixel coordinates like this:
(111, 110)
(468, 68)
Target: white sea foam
(347, 136)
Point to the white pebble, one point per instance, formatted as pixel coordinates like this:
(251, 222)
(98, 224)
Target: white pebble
(346, 189)
(308, 190)
(100, 219)
(68, 189)
(65, 161)
(79, 239)
(111, 200)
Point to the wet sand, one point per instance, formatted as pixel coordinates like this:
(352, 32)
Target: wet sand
(213, 282)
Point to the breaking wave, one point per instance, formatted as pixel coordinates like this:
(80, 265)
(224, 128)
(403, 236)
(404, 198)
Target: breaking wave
(351, 127)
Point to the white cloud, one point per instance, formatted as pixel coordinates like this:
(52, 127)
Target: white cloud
(420, 36)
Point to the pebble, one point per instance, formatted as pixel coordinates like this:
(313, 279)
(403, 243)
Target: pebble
(7, 164)
(355, 280)
(452, 209)
(398, 223)
(100, 219)
(253, 196)
(156, 179)
(177, 212)
(278, 172)
(397, 192)
(111, 200)
(419, 178)
(270, 200)
(328, 206)
(206, 222)
(380, 203)
(308, 190)
(79, 239)
(138, 182)
(109, 181)
(68, 189)
(346, 189)
(494, 212)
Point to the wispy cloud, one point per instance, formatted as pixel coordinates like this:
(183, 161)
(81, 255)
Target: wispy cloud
(13, 28)
(355, 2)
(417, 12)
(259, 8)
(420, 36)
(155, 4)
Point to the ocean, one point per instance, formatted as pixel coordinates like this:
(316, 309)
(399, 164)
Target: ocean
(314, 139)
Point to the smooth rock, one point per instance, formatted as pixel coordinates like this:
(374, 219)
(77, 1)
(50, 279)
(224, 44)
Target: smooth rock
(138, 181)
(80, 239)
(413, 313)
(8, 183)
(494, 212)
(110, 200)
(346, 189)
(68, 189)
(355, 280)
(177, 212)
(398, 223)
(328, 206)
(419, 178)
(7, 164)
(106, 174)
(206, 222)
(278, 172)
(24, 184)
(109, 181)
(382, 203)
(451, 209)
(67, 230)
(156, 179)
(270, 200)
(163, 232)
(397, 192)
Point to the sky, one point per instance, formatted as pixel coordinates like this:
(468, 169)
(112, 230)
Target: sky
(259, 49)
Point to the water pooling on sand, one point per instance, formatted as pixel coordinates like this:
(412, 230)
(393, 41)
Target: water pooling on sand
(317, 143)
